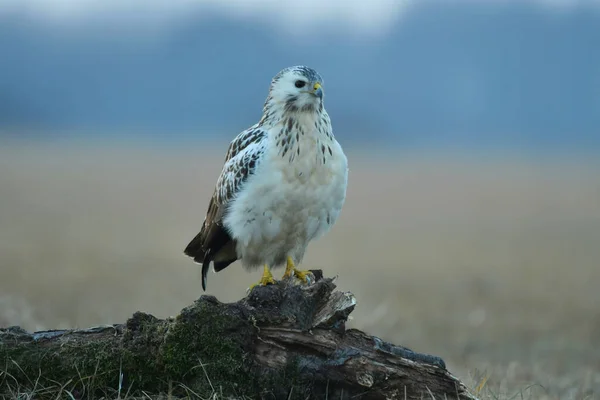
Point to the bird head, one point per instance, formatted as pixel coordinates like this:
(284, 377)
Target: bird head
(297, 88)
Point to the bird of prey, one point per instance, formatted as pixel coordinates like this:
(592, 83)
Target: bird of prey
(283, 184)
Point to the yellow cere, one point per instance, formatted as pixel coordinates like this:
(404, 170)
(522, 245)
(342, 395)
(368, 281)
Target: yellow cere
(317, 86)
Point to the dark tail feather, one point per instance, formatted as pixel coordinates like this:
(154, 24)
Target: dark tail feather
(194, 249)
(205, 264)
(206, 245)
(221, 265)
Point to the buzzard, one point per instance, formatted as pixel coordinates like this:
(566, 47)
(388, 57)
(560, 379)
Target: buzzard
(283, 184)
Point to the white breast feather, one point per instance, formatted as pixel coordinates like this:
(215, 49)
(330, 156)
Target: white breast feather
(289, 200)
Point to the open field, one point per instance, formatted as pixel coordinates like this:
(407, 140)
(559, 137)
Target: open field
(494, 265)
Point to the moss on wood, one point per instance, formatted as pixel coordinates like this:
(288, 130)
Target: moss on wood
(280, 342)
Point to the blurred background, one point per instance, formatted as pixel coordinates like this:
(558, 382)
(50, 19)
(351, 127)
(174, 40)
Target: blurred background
(472, 224)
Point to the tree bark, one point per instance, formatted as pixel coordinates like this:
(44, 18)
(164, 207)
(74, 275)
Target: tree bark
(282, 341)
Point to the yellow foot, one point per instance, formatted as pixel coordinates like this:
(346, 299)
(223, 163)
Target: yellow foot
(304, 276)
(267, 279)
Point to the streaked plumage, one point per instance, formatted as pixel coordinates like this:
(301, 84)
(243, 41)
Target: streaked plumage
(283, 183)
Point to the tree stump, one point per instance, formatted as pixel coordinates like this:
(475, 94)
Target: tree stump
(282, 341)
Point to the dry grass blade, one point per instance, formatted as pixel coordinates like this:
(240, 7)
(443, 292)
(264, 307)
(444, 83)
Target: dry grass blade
(481, 384)
(430, 394)
(206, 375)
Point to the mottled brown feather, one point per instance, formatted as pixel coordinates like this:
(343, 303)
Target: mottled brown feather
(213, 242)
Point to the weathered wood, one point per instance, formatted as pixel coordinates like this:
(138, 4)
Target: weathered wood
(282, 341)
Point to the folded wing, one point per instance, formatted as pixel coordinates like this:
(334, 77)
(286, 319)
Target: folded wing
(213, 242)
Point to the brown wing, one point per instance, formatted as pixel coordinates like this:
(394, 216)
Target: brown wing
(213, 242)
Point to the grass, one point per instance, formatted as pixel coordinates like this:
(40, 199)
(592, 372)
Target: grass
(492, 265)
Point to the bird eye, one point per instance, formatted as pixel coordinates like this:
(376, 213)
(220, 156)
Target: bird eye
(300, 84)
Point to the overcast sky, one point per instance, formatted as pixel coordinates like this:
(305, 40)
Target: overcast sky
(360, 15)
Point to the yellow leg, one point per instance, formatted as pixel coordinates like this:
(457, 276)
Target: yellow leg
(290, 269)
(267, 278)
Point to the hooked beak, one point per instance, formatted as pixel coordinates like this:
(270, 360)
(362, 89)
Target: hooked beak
(317, 90)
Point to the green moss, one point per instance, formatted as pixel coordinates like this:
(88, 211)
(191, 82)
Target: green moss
(141, 347)
(207, 341)
(86, 365)
(204, 344)
(96, 368)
